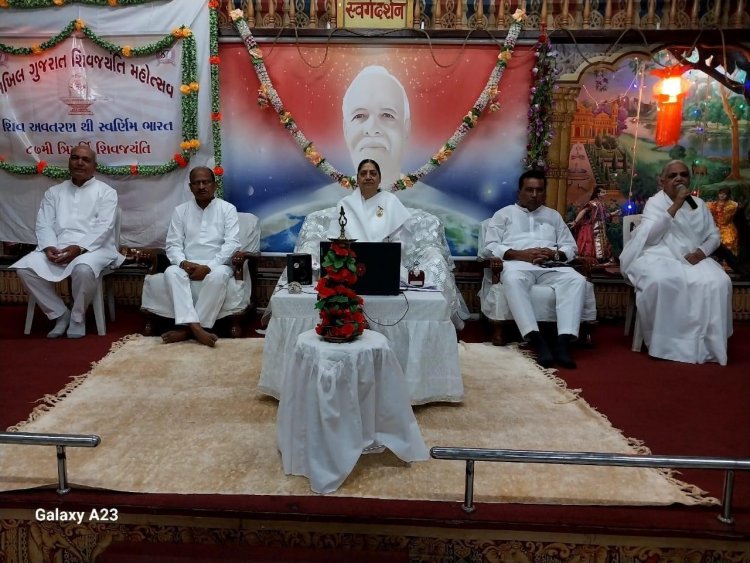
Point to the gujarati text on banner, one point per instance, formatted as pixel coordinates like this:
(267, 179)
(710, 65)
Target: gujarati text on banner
(127, 110)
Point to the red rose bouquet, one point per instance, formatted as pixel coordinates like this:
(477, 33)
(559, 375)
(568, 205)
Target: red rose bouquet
(341, 316)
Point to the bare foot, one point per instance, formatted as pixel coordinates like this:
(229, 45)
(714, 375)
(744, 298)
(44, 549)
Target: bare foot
(176, 335)
(202, 335)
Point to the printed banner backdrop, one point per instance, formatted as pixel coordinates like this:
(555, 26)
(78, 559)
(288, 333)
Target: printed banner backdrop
(79, 93)
(127, 109)
(266, 173)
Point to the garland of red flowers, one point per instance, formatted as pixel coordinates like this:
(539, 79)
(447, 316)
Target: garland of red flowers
(341, 316)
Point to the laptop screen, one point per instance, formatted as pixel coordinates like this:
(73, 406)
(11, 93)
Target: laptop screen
(382, 266)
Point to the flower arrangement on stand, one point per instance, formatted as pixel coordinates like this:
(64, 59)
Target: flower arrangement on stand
(341, 316)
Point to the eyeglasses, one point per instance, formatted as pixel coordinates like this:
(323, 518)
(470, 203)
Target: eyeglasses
(672, 175)
(202, 183)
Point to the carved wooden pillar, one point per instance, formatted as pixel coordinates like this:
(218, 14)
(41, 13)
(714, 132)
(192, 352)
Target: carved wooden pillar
(313, 14)
(587, 14)
(673, 14)
(717, 13)
(288, 13)
(608, 14)
(629, 12)
(695, 14)
(479, 14)
(331, 9)
(563, 111)
(566, 20)
(737, 20)
(501, 19)
(651, 15)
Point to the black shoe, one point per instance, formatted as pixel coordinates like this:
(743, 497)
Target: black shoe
(544, 355)
(562, 351)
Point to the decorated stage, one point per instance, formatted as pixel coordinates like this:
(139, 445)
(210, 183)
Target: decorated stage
(276, 518)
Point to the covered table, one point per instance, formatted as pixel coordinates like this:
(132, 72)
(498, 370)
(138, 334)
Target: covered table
(416, 323)
(339, 400)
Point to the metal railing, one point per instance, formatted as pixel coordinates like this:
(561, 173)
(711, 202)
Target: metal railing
(471, 455)
(60, 441)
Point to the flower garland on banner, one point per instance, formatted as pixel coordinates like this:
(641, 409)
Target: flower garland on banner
(341, 316)
(189, 103)
(214, 61)
(540, 107)
(268, 96)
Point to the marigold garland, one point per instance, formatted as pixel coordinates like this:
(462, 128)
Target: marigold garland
(268, 96)
(189, 105)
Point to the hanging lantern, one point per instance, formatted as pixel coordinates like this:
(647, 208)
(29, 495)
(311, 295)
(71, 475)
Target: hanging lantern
(669, 94)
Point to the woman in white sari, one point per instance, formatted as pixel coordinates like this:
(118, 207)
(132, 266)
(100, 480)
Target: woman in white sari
(373, 215)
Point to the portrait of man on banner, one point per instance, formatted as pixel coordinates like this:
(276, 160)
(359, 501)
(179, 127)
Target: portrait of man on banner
(390, 104)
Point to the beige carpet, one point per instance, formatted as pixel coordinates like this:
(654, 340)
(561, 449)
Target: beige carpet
(184, 418)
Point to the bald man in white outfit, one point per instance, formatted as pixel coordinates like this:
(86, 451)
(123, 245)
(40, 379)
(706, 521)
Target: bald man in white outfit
(76, 239)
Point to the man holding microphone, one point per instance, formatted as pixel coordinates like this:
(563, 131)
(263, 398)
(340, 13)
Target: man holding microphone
(684, 300)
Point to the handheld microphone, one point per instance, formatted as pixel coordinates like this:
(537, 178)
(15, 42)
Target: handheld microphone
(689, 199)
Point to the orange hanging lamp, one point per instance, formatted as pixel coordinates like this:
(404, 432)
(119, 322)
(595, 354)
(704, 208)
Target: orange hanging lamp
(669, 94)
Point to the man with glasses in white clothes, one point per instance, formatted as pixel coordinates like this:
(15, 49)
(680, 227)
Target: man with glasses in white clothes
(684, 299)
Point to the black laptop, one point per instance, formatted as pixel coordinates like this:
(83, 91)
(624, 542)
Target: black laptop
(382, 262)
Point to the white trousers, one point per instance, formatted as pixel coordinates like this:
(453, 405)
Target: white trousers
(83, 288)
(209, 295)
(570, 293)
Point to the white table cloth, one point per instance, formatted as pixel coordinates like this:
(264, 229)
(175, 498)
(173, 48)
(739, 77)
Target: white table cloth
(416, 323)
(341, 399)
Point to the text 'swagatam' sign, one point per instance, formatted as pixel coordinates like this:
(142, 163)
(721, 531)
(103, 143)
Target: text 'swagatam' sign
(381, 15)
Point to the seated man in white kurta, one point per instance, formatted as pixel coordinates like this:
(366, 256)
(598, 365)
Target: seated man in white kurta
(75, 238)
(684, 300)
(203, 234)
(527, 236)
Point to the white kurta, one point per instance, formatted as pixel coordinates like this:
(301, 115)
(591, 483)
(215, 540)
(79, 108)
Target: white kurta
(84, 216)
(372, 220)
(380, 218)
(516, 228)
(684, 310)
(384, 217)
(205, 236)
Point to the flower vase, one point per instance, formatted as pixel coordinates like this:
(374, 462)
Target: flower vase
(341, 316)
(329, 333)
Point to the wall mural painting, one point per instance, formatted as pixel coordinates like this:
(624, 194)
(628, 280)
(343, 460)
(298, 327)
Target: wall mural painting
(614, 158)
